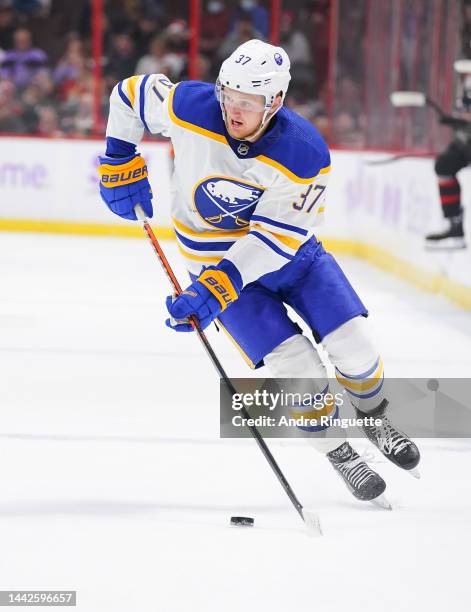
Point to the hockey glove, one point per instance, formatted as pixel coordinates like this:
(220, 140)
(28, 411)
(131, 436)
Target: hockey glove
(206, 298)
(123, 184)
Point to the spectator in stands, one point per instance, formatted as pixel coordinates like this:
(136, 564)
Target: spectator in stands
(10, 109)
(293, 40)
(203, 68)
(40, 92)
(348, 54)
(80, 122)
(48, 122)
(144, 33)
(296, 45)
(214, 27)
(258, 16)
(137, 38)
(122, 60)
(155, 61)
(153, 9)
(301, 102)
(243, 32)
(177, 36)
(30, 6)
(348, 130)
(24, 61)
(465, 30)
(149, 24)
(348, 97)
(313, 20)
(70, 66)
(7, 25)
(83, 26)
(77, 103)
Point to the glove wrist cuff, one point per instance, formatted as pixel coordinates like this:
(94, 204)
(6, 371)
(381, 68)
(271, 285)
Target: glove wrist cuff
(220, 286)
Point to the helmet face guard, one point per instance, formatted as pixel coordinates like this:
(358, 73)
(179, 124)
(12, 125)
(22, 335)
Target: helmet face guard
(255, 68)
(249, 103)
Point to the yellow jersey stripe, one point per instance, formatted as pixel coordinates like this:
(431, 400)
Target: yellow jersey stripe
(294, 177)
(201, 258)
(292, 243)
(220, 138)
(217, 234)
(131, 87)
(191, 126)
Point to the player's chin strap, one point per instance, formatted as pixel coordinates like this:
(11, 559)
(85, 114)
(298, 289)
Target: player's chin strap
(263, 125)
(309, 517)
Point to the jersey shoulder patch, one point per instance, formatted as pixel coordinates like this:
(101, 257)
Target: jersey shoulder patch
(300, 149)
(194, 106)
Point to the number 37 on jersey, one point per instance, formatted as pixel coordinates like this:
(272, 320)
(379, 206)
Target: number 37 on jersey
(311, 199)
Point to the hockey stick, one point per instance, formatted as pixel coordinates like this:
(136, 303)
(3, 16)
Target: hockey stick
(310, 518)
(401, 99)
(393, 158)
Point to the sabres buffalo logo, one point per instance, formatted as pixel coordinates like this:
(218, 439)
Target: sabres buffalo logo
(226, 203)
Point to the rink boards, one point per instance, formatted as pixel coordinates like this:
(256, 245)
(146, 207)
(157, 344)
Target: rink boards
(378, 212)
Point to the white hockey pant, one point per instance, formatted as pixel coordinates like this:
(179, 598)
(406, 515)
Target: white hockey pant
(357, 364)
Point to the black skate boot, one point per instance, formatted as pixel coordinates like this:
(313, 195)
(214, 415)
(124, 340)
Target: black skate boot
(363, 482)
(393, 443)
(450, 239)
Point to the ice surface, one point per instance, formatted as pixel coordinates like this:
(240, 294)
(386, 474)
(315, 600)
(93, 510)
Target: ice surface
(114, 482)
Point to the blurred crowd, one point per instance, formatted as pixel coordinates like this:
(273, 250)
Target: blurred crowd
(46, 61)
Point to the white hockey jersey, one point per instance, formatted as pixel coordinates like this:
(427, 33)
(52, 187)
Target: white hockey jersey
(253, 204)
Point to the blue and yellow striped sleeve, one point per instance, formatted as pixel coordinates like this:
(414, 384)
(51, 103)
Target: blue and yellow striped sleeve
(138, 103)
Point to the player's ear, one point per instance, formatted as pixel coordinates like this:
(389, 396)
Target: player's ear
(277, 102)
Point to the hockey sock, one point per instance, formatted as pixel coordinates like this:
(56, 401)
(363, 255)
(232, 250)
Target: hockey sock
(364, 388)
(450, 196)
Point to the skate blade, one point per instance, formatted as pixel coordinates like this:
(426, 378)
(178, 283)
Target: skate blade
(449, 244)
(312, 522)
(415, 473)
(382, 502)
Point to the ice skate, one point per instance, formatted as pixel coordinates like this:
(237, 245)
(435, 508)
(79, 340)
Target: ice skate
(449, 239)
(391, 442)
(363, 482)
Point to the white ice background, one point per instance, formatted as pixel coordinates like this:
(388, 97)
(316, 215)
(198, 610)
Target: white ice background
(114, 482)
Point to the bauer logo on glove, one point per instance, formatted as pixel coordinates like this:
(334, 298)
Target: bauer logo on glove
(131, 172)
(220, 286)
(205, 298)
(123, 184)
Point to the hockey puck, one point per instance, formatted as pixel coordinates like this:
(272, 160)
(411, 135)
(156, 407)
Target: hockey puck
(242, 521)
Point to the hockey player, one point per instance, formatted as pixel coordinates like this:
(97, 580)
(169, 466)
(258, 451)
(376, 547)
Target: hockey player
(248, 189)
(447, 165)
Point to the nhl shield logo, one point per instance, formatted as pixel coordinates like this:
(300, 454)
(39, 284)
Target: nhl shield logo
(243, 149)
(225, 203)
